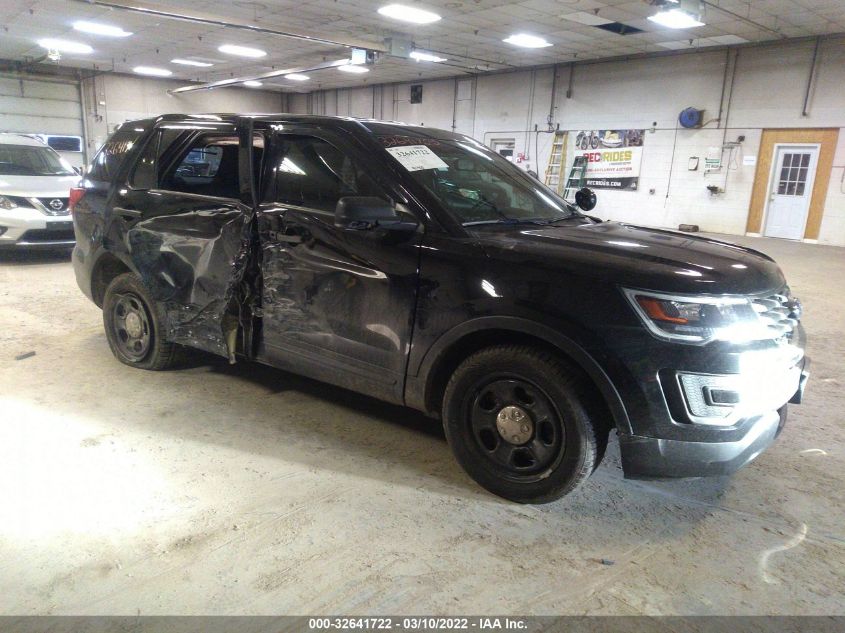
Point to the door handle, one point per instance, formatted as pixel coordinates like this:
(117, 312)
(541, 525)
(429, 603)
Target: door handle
(127, 213)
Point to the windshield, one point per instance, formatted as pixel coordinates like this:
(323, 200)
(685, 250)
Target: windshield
(31, 160)
(474, 183)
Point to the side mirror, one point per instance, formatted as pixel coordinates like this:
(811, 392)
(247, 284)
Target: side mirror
(586, 199)
(373, 215)
(363, 212)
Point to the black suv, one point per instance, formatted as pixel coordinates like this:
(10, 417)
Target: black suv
(417, 266)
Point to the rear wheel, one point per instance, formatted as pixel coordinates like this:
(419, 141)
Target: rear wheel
(517, 421)
(133, 329)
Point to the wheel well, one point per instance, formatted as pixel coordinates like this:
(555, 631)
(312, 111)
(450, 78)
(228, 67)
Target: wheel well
(471, 343)
(107, 268)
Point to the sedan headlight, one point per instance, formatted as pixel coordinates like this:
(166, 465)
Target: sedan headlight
(697, 320)
(7, 203)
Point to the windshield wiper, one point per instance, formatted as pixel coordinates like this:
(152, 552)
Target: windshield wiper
(511, 221)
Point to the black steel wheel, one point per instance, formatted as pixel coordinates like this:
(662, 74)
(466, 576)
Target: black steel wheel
(133, 327)
(519, 421)
(515, 426)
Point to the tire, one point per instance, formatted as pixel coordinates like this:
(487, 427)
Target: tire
(135, 340)
(541, 405)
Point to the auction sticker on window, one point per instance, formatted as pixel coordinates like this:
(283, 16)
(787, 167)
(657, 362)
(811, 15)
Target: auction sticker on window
(417, 157)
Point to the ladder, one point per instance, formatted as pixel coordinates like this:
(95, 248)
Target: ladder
(557, 160)
(577, 176)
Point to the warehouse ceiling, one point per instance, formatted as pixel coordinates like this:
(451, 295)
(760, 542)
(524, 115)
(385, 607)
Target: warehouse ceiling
(470, 34)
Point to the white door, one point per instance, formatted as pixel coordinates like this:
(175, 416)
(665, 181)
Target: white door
(790, 190)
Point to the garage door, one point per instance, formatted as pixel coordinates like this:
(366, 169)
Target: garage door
(40, 107)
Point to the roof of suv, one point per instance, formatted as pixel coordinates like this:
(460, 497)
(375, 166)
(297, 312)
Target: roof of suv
(12, 138)
(373, 126)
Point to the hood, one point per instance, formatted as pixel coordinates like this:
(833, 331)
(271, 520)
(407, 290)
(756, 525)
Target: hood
(637, 257)
(37, 186)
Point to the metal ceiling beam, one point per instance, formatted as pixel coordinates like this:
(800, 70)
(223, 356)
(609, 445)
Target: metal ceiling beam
(209, 19)
(763, 27)
(268, 75)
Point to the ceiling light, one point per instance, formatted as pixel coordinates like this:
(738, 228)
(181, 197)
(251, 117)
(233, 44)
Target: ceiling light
(427, 57)
(350, 68)
(527, 41)
(190, 62)
(100, 29)
(675, 19)
(408, 14)
(253, 84)
(297, 77)
(152, 71)
(241, 51)
(65, 46)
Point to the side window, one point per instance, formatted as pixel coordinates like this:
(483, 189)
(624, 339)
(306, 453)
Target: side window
(310, 172)
(107, 162)
(144, 174)
(208, 166)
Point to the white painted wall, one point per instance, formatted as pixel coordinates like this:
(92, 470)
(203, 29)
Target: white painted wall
(768, 92)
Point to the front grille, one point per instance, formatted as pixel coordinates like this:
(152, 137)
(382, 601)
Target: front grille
(779, 312)
(53, 234)
(54, 206)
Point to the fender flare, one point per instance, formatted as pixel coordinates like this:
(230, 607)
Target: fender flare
(418, 387)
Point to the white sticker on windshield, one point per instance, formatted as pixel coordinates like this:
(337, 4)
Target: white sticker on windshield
(417, 157)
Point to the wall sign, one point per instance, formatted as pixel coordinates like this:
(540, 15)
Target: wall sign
(613, 157)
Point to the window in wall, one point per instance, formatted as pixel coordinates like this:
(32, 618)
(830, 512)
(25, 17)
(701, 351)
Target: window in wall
(208, 166)
(793, 174)
(313, 173)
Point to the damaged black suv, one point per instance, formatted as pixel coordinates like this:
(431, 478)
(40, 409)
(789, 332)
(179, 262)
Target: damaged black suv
(417, 266)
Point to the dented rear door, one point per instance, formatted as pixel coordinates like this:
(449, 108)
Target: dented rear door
(187, 212)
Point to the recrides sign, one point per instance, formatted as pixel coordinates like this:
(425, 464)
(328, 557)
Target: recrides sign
(613, 157)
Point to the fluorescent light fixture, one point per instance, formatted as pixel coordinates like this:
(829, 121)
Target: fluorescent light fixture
(100, 29)
(675, 19)
(152, 71)
(190, 62)
(297, 77)
(408, 14)
(350, 68)
(253, 84)
(64, 46)
(427, 57)
(241, 51)
(527, 41)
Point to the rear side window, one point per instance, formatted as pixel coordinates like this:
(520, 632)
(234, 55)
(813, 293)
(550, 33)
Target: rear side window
(145, 173)
(313, 173)
(208, 166)
(107, 162)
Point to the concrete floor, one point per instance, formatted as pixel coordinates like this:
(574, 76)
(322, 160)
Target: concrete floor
(224, 490)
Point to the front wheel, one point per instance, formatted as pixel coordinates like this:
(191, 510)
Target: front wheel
(133, 328)
(517, 421)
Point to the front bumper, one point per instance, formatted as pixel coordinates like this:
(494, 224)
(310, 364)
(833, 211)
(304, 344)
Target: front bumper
(653, 458)
(698, 446)
(29, 228)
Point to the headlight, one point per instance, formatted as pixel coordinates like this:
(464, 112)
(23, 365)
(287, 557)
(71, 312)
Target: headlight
(697, 320)
(7, 203)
